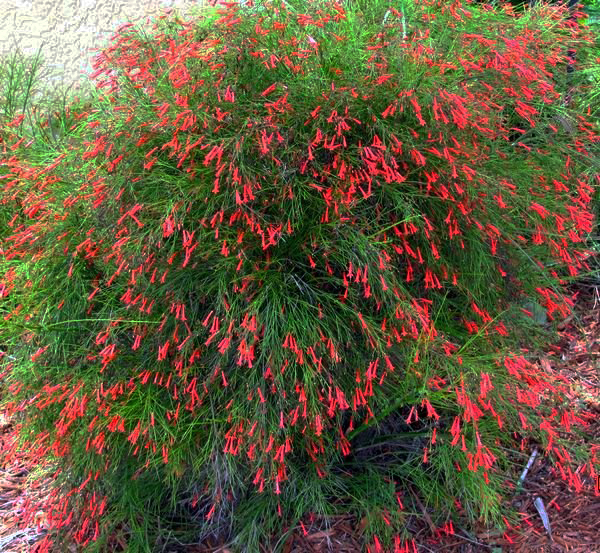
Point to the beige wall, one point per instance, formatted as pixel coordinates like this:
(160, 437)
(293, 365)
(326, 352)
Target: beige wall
(69, 28)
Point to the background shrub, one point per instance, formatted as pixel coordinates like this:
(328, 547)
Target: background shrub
(300, 263)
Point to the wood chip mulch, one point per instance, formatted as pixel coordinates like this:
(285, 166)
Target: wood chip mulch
(18, 486)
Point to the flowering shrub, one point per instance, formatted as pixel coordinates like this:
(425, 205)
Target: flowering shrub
(291, 227)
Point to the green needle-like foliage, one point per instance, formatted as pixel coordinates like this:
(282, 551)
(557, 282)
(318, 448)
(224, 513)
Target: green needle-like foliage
(296, 260)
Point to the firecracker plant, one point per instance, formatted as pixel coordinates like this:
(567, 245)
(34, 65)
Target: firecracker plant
(297, 259)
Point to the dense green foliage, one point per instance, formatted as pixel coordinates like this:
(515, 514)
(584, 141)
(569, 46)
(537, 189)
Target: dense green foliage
(297, 260)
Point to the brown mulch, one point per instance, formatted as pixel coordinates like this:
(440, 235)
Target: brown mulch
(17, 488)
(574, 517)
(340, 536)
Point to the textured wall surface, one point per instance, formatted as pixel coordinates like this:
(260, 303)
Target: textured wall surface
(67, 30)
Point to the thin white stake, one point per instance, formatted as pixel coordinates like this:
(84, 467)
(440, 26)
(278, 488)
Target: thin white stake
(530, 462)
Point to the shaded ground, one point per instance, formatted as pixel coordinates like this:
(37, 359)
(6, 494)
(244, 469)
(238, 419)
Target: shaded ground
(574, 517)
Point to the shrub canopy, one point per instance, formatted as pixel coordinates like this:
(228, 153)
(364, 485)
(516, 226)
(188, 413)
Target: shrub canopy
(289, 226)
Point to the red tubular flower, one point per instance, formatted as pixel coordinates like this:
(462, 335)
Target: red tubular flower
(418, 158)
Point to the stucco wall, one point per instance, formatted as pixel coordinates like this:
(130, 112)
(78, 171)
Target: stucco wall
(67, 29)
